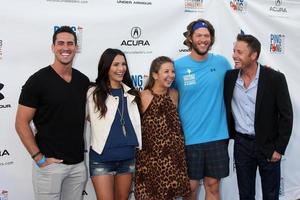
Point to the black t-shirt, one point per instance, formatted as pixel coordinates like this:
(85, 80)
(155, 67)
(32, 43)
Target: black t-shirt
(60, 113)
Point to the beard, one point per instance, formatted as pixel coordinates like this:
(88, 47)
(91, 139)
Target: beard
(200, 53)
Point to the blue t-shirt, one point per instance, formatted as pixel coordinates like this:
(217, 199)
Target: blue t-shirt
(118, 146)
(201, 104)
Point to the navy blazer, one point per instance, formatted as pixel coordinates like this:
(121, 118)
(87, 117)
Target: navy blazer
(273, 110)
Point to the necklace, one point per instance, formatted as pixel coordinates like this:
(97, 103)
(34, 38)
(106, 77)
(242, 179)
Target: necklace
(121, 113)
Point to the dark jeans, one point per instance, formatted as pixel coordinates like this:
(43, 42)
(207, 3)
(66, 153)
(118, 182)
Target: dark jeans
(247, 158)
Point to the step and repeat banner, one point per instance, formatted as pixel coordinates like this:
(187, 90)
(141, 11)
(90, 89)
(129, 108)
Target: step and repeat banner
(143, 29)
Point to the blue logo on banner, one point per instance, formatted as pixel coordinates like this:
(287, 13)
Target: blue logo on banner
(139, 81)
(78, 30)
(73, 28)
(277, 43)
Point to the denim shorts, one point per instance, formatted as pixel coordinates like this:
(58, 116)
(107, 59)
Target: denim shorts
(111, 167)
(209, 159)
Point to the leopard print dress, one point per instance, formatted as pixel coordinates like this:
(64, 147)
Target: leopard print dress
(161, 172)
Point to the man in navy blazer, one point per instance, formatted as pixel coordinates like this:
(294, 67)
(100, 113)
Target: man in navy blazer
(259, 117)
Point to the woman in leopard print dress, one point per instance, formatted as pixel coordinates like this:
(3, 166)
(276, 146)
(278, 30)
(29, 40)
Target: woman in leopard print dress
(161, 172)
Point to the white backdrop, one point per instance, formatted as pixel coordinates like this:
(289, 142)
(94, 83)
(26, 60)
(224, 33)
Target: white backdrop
(26, 29)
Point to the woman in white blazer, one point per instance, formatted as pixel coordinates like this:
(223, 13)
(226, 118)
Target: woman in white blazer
(112, 104)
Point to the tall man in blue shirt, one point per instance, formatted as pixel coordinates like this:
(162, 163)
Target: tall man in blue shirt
(260, 119)
(200, 82)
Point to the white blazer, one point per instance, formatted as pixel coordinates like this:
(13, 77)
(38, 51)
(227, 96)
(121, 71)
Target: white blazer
(100, 127)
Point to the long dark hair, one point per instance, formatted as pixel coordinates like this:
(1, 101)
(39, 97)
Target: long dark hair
(102, 85)
(154, 68)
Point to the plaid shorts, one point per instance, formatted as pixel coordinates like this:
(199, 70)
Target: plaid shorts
(209, 159)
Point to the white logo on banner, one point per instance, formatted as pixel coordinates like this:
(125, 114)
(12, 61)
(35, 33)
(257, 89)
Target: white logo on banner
(189, 78)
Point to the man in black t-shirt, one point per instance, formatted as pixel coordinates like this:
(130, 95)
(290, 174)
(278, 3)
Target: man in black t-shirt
(54, 99)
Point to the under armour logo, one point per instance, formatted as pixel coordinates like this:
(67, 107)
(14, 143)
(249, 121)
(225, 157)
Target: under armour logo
(213, 69)
(1, 95)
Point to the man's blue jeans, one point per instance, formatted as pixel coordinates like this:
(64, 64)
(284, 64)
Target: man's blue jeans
(248, 157)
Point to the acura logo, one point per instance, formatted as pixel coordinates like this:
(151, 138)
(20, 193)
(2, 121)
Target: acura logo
(136, 32)
(1, 95)
(4, 153)
(278, 2)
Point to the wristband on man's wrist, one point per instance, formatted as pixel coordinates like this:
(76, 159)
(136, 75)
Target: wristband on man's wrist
(35, 155)
(42, 161)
